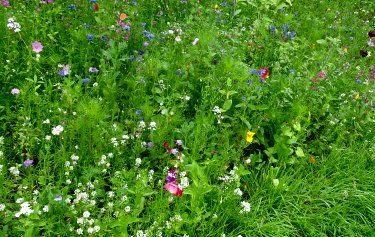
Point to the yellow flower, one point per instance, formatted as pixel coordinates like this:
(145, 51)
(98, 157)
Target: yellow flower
(249, 136)
(344, 50)
(356, 96)
(216, 6)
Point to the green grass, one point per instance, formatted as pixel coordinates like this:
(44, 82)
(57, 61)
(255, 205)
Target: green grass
(160, 105)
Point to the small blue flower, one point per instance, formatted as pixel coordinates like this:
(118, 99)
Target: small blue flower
(103, 37)
(233, 4)
(249, 82)
(143, 24)
(139, 111)
(87, 26)
(359, 81)
(145, 32)
(261, 72)
(243, 98)
(86, 80)
(132, 57)
(134, 3)
(178, 72)
(141, 52)
(291, 70)
(263, 81)
(126, 27)
(253, 71)
(93, 1)
(90, 37)
(224, 4)
(151, 36)
(72, 6)
(215, 61)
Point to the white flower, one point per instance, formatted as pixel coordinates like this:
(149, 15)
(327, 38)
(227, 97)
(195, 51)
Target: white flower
(14, 171)
(48, 137)
(195, 41)
(86, 214)
(96, 228)
(46, 121)
(127, 209)
(178, 38)
(142, 124)
(238, 192)
(79, 231)
(45, 208)
(2, 207)
(57, 130)
(216, 110)
(246, 207)
(138, 162)
(152, 125)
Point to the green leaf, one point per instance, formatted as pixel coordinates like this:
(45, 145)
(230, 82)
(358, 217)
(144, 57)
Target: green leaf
(275, 182)
(226, 106)
(321, 41)
(299, 152)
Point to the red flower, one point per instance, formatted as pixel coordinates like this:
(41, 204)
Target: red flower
(264, 74)
(96, 7)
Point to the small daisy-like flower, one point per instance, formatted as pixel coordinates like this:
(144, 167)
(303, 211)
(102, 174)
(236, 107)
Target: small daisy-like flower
(57, 130)
(15, 91)
(37, 47)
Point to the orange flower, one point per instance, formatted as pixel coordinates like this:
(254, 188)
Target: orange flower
(249, 136)
(123, 16)
(312, 159)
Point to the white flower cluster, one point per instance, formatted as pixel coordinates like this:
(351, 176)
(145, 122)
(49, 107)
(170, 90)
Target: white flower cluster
(141, 233)
(176, 218)
(218, 114)
(25, 210)
(14, 171)
(230, 178)
(84, 220)
(13, 25)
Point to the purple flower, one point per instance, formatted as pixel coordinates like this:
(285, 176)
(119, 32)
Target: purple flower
(27, 163)
(15, 91)
(93, 69)
(171, 176)
(179, 142)
(150, 144)
(174, 151)
(146, 44)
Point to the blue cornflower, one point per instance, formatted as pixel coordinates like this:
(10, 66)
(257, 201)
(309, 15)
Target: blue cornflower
(86, 80)
(139, 111)
(132, 57)
(292, 34)
(134, 3)
(141, 52)
(90, 37)
(249, 82)
(178, 72)
(253, 71)
(87, 26)
(291, 70)
(103, 37)
(126, 27)
(72, 6)
(224, 4)
(263, 81)
(359, 81)
(145, 32)
(143, 24)
(162, 39)
(233, 3)
(261, 72)
(92, 0)
(272, 29)
(151, 36)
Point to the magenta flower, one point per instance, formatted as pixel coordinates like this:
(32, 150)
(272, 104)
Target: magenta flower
(15, 91)
(37, 47)
(173, 189)
(322, 74)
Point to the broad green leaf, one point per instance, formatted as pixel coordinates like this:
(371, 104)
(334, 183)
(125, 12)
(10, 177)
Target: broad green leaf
(299, 152)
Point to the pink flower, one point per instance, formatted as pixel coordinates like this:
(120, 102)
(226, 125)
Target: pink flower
(370, 43)
(173, 189)
(322, 74)
(37, 47)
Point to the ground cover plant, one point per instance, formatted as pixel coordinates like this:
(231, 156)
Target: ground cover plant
(187, 118)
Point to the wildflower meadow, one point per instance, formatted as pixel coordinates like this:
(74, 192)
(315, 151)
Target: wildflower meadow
(187, 118)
